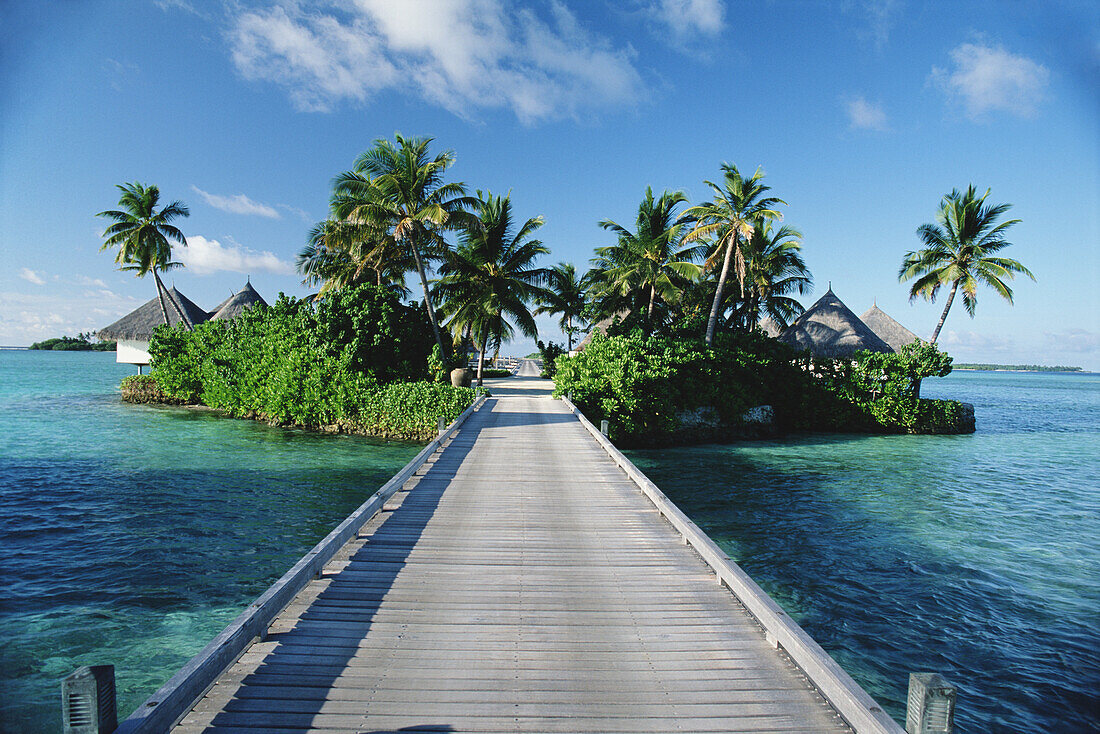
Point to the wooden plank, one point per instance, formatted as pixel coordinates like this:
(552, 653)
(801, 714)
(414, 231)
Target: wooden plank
(524, 582)
(170, 702)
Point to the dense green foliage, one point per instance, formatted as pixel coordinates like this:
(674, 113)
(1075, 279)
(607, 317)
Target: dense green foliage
(549, 353)
(961, 251)
(346, 363)
(656, 390)
(144, 237)
(1016, 367)
(565, 297)
(79, 343)
(488, 281)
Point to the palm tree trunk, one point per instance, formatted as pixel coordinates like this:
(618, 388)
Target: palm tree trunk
(946, 308)
(428, 302)
(569, 331)
(160, 297)
(712, 322)
(179, 311)
(481, 359)
(649, 311)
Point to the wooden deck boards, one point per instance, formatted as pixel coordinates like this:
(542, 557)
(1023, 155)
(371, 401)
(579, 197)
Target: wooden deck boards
(523, 584)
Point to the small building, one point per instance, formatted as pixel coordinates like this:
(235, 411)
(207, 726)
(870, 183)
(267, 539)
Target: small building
(887, 329)
(235, 305)
(134, 331)
(600, 327)
(831, 329)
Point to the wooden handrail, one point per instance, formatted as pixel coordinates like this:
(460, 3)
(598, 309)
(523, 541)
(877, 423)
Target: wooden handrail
(175, 698)
(849, 699)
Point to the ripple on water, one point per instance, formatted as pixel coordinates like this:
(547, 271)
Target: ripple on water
(974, 556)
(116, 523)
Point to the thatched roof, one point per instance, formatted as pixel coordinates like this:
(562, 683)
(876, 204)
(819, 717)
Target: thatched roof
(830, 329)
(235, 305)
(600, 326)
(139, 324)
(887, 329)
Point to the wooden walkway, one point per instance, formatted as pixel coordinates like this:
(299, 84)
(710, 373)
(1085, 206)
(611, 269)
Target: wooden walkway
(523, 583)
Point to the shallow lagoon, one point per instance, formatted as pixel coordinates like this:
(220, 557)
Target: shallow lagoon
(132, 534)
(974, 556)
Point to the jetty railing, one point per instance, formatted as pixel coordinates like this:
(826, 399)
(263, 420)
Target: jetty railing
(845, 695)
(164, 708)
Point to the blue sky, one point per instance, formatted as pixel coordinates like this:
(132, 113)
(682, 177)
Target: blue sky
(862, 113)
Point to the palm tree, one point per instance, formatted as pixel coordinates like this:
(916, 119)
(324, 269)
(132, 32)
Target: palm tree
(774, 268)
(649, 263)
(343, 253)
(142, 234)
(490, 278)
(564, 295)
(399, 188)
(959, 251)
(726, 222)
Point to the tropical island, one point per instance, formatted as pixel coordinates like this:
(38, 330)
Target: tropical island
(693, 330)
(1015, 367)
(80, 343)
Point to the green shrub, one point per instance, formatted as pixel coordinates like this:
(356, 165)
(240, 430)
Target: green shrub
(944, 416)
(336, 365)
(643, 385)
(411, 410)
(646, 386)
(549, 354)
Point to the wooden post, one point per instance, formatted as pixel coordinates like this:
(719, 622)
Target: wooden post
(88, 703)
(442, 424)
(931, 705)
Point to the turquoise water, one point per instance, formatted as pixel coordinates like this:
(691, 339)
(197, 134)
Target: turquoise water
(131, 535)
(974, 556)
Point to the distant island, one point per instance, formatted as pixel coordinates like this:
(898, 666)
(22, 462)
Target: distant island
(79, 343)
(1016, 367)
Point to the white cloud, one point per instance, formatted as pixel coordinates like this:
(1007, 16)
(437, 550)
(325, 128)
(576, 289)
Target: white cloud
(686, 18)
(85, 280)
(1079, 341)
(167, 5)
(203, 257)
(972, 341)
(27, 318)
(866, 115)
(878, 16)
(989, 79)
(239, 204)
(32, 276)
(459, 54)
(300, 213)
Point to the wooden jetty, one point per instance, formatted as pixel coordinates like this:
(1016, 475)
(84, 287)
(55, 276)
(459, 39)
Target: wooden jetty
(520, 575)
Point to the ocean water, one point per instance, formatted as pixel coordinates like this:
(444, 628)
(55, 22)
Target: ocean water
(132, 535)
(974, 556)
(977, 556)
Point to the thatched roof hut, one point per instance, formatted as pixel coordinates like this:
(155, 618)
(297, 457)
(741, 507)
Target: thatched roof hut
(831, 329)
(600, 326)
(887, 329)
(235, 305)
(138, 325)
